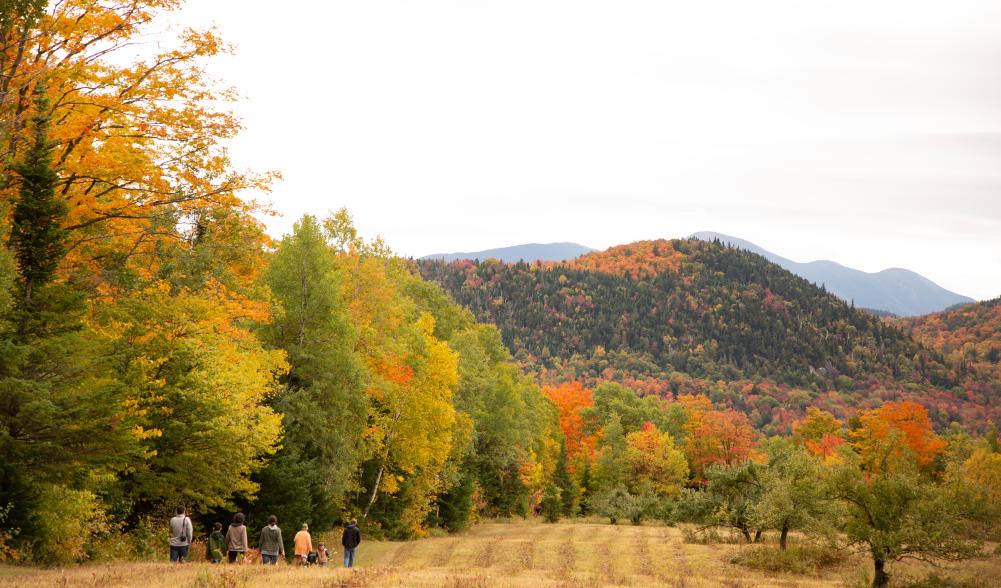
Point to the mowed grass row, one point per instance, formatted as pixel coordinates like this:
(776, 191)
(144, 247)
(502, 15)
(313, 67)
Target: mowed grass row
(516, 553)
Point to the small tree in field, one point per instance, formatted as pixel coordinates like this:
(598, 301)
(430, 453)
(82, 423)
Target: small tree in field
(900, 514)
(792, 491)
(729, 499)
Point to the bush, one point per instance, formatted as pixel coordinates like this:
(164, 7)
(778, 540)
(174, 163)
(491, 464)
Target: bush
(617, 504)
(709, 536)
(552, 503)
(803, 558)
(936, 581)
(68, 522)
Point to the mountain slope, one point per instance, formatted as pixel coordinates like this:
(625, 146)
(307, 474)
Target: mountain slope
(530, 252)
(968, 337)
(900, 291)
(688, 316)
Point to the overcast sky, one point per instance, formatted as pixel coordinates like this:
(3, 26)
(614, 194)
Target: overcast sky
(864, 132)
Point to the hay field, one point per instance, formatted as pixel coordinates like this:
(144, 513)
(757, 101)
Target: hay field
(495, 554)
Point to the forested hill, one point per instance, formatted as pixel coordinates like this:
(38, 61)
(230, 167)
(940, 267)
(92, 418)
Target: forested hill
(660, 315)
(968, 337)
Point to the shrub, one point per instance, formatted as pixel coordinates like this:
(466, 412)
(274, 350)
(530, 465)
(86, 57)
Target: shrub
(67, 521)
(935, 581)
(617, 504)
(708, 536)
(805, 558)
(552, 503)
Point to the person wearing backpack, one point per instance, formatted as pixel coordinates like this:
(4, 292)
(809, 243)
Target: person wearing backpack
(181, 535)
(271, 543)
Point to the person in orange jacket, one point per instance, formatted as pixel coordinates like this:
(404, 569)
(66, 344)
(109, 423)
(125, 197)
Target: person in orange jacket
(303, 545)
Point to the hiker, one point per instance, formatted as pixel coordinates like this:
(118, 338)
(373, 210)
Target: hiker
(217, 544)
(236, 537)
(181, 535)
(271, 542)
(322, 555)
(303, 545)
(350, 540)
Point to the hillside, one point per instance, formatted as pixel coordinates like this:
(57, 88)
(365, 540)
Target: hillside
(895, 290)
(690, 315)
(530, 252)
(968, 337)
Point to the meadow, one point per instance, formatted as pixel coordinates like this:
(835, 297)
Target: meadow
(503, 554)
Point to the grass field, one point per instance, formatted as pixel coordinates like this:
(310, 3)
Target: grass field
(518, 553)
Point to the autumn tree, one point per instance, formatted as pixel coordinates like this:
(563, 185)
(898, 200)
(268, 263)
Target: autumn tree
(655, 465)
(819, 432)
(719, 438)
(572, 403)
(888, 432)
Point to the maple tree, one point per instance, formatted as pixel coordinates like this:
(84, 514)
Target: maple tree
(571, 400)
(894, 433)
(721, 438)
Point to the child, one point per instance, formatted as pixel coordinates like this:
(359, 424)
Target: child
(217, 541)
(322, 555)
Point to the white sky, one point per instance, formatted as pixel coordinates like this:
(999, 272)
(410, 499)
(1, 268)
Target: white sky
(867, 132)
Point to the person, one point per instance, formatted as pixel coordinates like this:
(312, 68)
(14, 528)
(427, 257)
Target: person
(181, 535)
(322, 555)
(217, 543)
(350, 540)
(303, 545)
(271, 542)
(236, 537)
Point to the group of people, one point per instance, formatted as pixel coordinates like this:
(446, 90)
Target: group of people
(234, 544)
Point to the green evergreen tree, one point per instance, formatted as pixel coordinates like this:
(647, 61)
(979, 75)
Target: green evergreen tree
(569, 489)
(37, 237)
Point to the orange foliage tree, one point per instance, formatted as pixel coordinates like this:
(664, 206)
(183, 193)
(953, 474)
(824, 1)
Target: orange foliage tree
(896, 433)
(138, 143)
(571, 398)
(720, 438)
(819, 432)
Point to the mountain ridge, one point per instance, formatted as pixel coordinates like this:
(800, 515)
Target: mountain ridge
(900, 291)
(527, 252)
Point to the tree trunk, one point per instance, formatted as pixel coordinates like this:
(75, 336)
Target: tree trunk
(375, 490)
(747, 534)
(782, 537)
(881, 579)
(757, 536)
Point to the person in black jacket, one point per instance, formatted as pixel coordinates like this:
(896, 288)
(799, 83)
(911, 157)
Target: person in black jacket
(350, 540)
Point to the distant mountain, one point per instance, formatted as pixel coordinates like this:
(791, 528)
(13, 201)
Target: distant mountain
(529, 252)
(897, 291)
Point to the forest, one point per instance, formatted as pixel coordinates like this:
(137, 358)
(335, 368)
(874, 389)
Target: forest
(158, 348)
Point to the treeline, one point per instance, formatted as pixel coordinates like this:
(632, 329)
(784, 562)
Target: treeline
(884, 482)
(658, 315)
(157, 348)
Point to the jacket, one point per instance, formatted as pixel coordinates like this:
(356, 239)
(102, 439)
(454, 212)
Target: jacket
(216, 547)
(236, 538)
(271, 541)
(181, 532)
(351, 537)
(303, 543)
